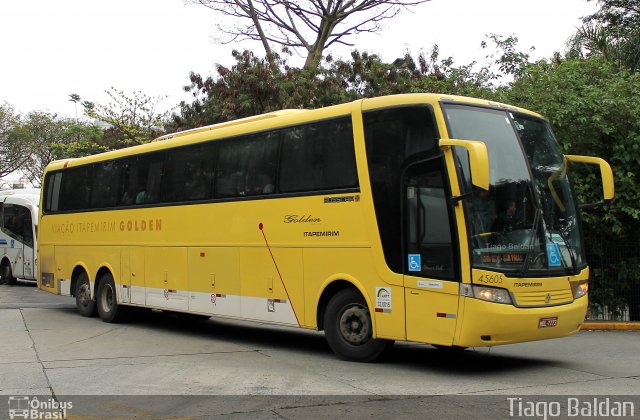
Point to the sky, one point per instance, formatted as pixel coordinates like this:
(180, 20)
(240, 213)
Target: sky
(50, 49)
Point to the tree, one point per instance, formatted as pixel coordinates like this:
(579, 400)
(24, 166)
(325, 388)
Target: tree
(253, 85)
(75, 98)
(623, 14)
(13, 151)
(612, 32)
(51, 138)
(311, 25)
(134, 119)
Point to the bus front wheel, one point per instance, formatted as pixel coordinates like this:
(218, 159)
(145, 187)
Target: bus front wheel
(349, 330)
(86, 306)
(107, 301)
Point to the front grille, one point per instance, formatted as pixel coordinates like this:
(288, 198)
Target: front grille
(543, 298)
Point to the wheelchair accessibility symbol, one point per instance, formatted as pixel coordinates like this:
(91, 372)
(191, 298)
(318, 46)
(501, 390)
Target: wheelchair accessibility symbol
(414, 262)
(553, 255)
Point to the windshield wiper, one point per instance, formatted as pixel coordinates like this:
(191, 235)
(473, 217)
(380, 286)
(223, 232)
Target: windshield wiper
(533, 233)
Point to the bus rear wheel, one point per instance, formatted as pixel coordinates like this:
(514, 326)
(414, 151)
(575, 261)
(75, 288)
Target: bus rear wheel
(86, 306)
(6, 276)
(349, 330)
(107, 301)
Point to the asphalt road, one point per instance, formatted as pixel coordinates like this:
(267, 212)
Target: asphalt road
(160, 366)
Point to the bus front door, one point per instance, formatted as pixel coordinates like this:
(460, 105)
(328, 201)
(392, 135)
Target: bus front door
(29, 249)
(17, 225)
(431, 268)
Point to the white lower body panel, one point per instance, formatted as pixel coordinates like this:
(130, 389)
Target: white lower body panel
(275, 311)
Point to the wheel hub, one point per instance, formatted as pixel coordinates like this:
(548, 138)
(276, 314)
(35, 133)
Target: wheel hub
(355, 327)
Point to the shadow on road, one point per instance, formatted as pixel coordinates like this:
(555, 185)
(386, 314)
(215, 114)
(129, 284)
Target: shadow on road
(21, 283)
(404, 355)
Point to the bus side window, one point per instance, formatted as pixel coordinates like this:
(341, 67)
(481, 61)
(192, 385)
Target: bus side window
(141, 179)
(105, 185)
(189, 174)
(261, 172)
(247, 166)
(154, 177)
(228, 170)
(17, 223)
(9, 218)
(317, 157)
(75, 188)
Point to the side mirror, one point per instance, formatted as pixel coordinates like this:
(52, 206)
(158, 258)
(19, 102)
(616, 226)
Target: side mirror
(605, 172)
(478, 159)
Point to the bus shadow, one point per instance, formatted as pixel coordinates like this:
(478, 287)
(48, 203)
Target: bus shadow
(21, 283)
(470, 362)
(404, 355)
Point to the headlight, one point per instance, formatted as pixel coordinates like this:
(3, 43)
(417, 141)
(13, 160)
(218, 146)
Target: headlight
(579, 288)
(486, 293)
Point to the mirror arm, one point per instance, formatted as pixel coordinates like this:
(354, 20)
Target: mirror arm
(590, 206)
(457, 199)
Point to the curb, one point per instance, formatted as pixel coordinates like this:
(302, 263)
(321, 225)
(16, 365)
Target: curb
(619, 326)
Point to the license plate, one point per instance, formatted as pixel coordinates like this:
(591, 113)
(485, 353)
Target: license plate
(548, 322)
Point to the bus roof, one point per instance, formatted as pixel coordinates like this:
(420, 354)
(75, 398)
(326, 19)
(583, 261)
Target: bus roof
(21, 191)
(230, 123)
(32, 195)
(259, 122)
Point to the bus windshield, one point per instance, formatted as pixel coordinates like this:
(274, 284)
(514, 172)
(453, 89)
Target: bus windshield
(527, 221)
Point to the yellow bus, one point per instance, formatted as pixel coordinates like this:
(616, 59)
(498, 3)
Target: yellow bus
(429, 218)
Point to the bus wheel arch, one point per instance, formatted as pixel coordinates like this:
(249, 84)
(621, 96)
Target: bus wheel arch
(327, 294)
(81, 289)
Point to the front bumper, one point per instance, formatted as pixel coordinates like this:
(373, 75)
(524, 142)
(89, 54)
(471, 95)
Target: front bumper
(491, 324)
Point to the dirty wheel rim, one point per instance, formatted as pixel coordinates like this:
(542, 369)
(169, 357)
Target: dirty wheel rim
(107, 298)
(355, 325)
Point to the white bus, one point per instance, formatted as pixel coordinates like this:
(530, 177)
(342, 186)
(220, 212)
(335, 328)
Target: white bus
(18, 234)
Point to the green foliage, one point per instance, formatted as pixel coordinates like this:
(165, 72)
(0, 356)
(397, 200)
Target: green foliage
(612, 32)
(13, 152)
(253, 85)
(132, 118)
(51, 138)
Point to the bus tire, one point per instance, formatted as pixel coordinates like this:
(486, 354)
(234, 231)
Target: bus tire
(107, 301)
(85, 304)
(6, 275)
(349, 330)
